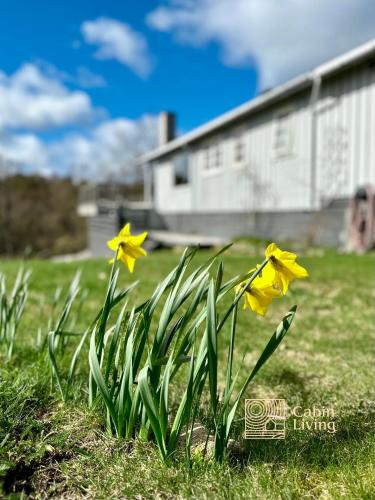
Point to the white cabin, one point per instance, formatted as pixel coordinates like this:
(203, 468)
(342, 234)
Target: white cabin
(284, 165)
(298, 147)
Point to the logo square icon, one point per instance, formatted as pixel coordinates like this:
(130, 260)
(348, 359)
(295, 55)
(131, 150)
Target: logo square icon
(265, 418)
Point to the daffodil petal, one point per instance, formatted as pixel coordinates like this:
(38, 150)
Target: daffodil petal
(284, 282)
(299, 271)
(268, 272)
(125, 231)
(128, 261)
(135, 251)
(256, 305)
(271, 249)
(287, 256)
(139, 239)
(271, 291)
(114, 243)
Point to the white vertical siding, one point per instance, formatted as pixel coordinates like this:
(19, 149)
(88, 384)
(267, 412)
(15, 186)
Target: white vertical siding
(291, 174)
(346, 121)
(167, 196)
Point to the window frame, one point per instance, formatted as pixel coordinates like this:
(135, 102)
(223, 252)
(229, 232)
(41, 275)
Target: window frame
(288, 149)
(239, 135)
(213, 156)
(185, 156)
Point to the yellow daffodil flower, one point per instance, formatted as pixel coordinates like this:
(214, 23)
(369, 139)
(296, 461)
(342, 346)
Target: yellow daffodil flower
(129, 247)
(260, 293)
(284, 266)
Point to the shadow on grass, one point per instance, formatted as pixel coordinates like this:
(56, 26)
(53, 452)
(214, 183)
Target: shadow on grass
(318, 448)
(295, 383)
(19, 478)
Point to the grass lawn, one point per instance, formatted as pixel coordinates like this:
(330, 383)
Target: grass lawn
(49, 448)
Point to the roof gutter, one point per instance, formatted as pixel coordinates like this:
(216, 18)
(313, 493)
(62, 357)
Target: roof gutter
(305, 81)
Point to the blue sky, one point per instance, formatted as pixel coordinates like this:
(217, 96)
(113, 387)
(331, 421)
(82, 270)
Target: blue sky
(82, 82)
(192, 82)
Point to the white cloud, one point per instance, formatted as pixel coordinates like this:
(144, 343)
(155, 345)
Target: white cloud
(21, 148)
(83, 77)
(35, 98)
(105, 151)
(25, 150)
(117, 40)
(283, 37)
(32, 99)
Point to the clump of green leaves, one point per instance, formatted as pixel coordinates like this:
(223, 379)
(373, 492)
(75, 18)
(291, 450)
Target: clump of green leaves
(61, 330)
(134, 362)
(11, 309)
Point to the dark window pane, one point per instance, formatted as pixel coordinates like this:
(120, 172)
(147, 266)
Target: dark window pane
(181, 168)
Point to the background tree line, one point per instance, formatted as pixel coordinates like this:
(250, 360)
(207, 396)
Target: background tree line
(39, 215)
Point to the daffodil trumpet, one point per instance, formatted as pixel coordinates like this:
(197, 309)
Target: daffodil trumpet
(284, 266)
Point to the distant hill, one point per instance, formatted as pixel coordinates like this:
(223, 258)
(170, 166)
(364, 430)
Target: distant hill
(39, 215)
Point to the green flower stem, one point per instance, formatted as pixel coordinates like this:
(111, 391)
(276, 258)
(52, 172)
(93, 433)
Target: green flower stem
(102, 317)
(113, 266)
(230, 350)
(238, 297)
(104, 312)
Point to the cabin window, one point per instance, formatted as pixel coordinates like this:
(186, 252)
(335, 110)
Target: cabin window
(284, 133)
(213, 156)
(206, 158)
(239, 148)
(217, 156)
(181, 168)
